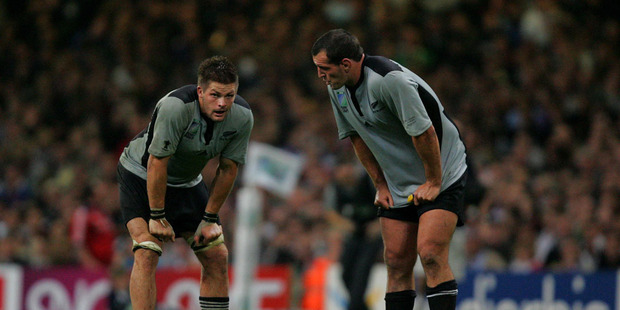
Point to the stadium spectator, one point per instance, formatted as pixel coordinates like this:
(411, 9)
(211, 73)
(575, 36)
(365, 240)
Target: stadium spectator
(537, 111)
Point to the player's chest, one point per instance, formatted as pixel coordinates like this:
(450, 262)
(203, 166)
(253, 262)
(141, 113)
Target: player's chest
(204, 139)
(362, 108)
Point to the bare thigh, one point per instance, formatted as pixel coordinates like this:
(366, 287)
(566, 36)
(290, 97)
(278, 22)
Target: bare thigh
(436, 228)
(399, 238)
(434, 235)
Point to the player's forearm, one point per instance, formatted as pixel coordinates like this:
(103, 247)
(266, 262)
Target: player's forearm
(427, 146)
(222, 185)
(156, 180)
(368, 160)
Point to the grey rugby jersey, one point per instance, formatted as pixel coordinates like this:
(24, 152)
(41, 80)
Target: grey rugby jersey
(179, 130)
(388, 106)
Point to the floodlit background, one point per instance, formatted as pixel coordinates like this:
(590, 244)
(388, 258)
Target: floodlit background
(534, 87)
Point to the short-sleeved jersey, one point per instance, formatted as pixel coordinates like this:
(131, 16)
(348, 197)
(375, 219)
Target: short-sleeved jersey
(388, 106)
(179, 130)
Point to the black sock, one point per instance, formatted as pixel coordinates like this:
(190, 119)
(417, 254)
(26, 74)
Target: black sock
(402, 300)
(212, 303)
(442, 296)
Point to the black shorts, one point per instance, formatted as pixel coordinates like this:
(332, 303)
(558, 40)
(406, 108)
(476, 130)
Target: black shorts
(184, 206)
(450, 199)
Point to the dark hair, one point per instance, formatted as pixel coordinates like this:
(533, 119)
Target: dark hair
(338, 45)
(217, 69)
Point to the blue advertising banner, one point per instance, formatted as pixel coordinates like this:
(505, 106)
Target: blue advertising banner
(566, 291)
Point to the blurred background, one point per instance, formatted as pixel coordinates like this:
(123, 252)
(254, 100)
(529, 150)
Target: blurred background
(534, 86)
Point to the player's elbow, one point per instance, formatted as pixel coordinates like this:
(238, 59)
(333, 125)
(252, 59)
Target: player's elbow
(228, 166)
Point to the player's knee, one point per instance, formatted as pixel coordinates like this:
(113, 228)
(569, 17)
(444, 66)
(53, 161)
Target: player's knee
(433, 255)
(215, 262)
(429, 260)
(216, 256)
(219, 255)
(145, 258)
(398, 260)
(150, 246)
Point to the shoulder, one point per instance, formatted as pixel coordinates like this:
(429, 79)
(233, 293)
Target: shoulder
(240, 101)
(398, 82)
(186, 94)
(242, 112)
(384, 74)
(381, 65)
(181, 101)
(180, 98)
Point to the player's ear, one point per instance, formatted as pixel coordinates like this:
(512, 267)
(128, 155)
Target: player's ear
(346, 64)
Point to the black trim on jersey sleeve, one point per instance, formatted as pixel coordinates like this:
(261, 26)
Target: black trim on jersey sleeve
(149, 139)
(381, 65)
(432, 108)
(187, 93)
(242, 102)
(138, 136)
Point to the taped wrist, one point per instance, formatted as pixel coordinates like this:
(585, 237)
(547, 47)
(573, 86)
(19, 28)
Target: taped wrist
(158, 214)
(211, 217)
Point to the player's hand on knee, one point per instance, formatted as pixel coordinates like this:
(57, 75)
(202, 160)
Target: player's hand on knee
(207, 232)
(161, 229)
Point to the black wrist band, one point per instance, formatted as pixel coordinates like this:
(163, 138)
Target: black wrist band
(211, 217)
(157, 214)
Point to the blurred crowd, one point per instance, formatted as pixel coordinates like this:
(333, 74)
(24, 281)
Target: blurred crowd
(534, 86)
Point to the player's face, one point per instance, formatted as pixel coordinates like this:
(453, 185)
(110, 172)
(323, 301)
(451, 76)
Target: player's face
(216, 99)
(330, 73)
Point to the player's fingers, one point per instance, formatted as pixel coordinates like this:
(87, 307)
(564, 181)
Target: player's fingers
(212, 237)
(170, 233)
(377, 203)
(385, 202)
(156, 234)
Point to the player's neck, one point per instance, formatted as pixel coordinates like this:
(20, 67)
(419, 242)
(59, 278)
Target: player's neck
(356, 72)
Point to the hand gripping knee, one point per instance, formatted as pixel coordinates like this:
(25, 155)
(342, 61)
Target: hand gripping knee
(207, 219)
(147, 245)
(201, 248)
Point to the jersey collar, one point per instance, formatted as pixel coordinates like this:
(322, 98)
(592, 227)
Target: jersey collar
(353, 88)
(210, 126)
